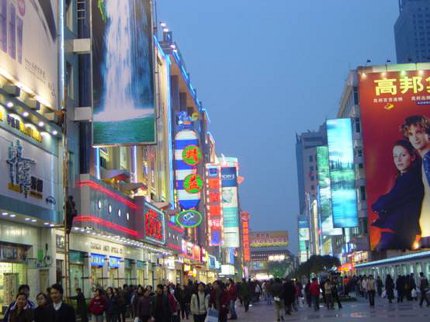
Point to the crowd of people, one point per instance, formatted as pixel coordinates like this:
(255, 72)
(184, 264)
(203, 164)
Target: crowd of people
(215, 301)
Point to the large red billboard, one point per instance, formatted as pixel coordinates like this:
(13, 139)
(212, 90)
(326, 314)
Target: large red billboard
(395, 119)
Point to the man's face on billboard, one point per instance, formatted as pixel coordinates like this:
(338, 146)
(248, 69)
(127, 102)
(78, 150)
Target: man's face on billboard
(418, 137)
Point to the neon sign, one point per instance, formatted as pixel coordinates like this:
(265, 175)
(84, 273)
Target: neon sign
(192, 155)
(193, 183)
(155, 229)
(189, 218)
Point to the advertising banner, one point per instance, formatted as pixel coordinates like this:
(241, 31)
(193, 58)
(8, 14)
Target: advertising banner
(269, 238)
(342, 173)
(303, 239)
(31, 61)
(324, 193)
(213, 204)
(155, 225)
(395, 116)
(230, 206)
(123, 76)
(244, 217)
(29, 175)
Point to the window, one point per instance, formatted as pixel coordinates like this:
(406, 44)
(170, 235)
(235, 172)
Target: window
(311, 158)
(312, 178)
(312, 187)
(359, 153)
(362, 193)
(311, 168)
(357, 125)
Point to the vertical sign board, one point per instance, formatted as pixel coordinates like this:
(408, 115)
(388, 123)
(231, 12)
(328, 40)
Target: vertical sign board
(187, 157)
(395, 118)
(123, 77)
(213, 204)
(324, 193)
(154, 225)
(230, 206)
(31, 61)
(244, 216)
(342, 173)
(303, 239)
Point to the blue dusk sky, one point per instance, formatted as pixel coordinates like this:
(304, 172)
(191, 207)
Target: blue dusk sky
(268, 69)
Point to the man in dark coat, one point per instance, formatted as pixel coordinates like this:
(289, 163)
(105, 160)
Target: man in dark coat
(289, 295)
(160, 305)
(58, 310)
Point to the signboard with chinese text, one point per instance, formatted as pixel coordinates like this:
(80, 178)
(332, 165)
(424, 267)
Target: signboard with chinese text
(268, 238)
(342, 173)
(187, 179)
(26, 59)
(193, 183)
(192, 155)
(244, 216)
(230, 210)
(30, 174)
(123, 76)
(154, 224)
(395, 119)
(324, 193)
(213, 204)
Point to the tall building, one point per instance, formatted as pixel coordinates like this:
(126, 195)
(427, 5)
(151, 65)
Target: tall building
(306, 146)
(412, 31)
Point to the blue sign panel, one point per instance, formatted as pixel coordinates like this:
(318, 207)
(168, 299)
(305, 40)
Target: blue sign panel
(342, 174)
(189, 218)
(114, 262)
(97, 260)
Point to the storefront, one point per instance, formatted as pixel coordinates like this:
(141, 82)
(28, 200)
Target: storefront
(76, 264)
(128, 277)
(140, 273)
(114, 276)
(98, 277)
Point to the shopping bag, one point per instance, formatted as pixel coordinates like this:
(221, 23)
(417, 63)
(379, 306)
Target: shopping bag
(414, 293)
(384, 294)
(136, 319)
(212, 315)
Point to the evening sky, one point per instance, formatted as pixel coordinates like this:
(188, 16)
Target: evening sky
(268, 69)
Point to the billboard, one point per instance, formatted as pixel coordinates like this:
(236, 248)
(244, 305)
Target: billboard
(230, 206)
(244, 217)
(213, 204)
(28, 60)
(123, 83)
(342, 173)
(396, 158)
(324, 193)
(304, 237)
(268, 238)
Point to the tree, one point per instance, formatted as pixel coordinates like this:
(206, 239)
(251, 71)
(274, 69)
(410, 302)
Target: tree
(278, 269)
(316, 264)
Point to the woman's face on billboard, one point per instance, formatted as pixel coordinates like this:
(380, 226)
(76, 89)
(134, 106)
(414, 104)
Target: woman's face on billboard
(402, 158)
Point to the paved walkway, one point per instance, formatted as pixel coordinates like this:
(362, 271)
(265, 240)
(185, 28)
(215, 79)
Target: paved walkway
(351, 311)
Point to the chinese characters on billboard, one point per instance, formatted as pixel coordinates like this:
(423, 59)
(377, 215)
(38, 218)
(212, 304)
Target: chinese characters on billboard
(244, 216)
(187, 156)
(269, 238)
(213, 204)
(342, 173)
(324, 193)
(395, 120)
(230, 210)
(154, 224)
(123, 80)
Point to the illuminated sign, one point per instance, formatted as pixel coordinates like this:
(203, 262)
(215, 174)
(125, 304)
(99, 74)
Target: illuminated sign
(213, 204)
(123, 77)
(192, 155)
(185, 182)
(230, 210)
(244, 216)
(268, 238)
(189, 218)
(155, 229)
(97, 260)
(114, 262)
(342, 173)
(324, 193)
(31, 61)
(193, 183)
(395, 118)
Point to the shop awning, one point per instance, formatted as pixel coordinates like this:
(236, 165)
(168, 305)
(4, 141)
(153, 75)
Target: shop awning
(117, 174)
(127, 186)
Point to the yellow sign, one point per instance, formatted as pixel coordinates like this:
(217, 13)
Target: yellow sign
(394, 86)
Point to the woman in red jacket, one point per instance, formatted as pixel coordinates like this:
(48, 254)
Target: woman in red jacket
(315, 293)
(98, 305)
(219, 300)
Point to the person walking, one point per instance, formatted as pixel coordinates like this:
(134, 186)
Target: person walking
(371, 290)
(21, 312)
(277, 291)
(328, 294)
(58, 310)
(424, 289)
(199, 304)
(379, 285)
(23, 288)
(41, 313)
(289, 296)
(315, 293)
(81, 305)
(160, 305)
(389, 288)
(335, 293)
(232, 293)
(112, 309)
(245, 294)
(98, 305)
(143, 310)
